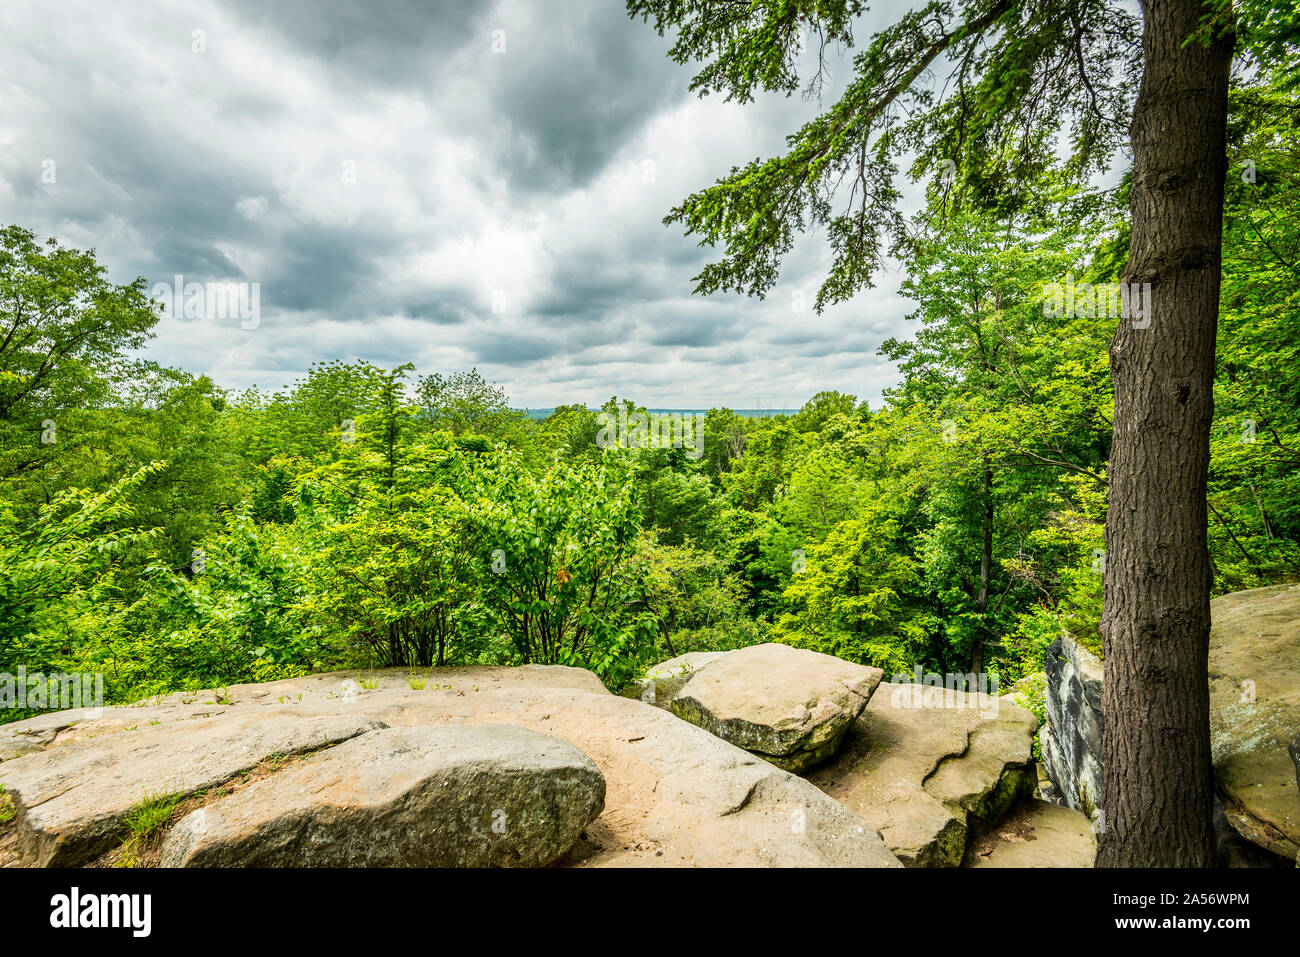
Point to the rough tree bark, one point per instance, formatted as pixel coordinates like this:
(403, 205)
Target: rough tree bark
(1156, 623)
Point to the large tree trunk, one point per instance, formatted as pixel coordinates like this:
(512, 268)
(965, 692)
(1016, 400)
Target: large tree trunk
(1156, 623)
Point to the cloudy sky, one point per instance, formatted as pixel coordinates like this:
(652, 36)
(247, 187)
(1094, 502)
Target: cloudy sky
(449, 183)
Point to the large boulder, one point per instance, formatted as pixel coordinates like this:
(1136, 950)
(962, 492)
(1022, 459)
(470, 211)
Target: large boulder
(1071, 738)
(675, 794)
(1255, 713)
(662, 682)
(925, 764)
(72, 801)
(789, 706)
(445, 796)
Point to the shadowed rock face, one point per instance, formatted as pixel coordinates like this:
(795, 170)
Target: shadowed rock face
(1071, 738)
(789, 706)
(674, 794)
(1255, 713)
(449, 796)
(921, 763)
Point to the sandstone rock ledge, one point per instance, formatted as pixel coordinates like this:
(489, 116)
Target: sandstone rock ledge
(921, 763)
(674, 794)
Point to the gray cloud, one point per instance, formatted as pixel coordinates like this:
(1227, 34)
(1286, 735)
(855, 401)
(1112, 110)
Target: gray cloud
(456, 184)
(397, 42)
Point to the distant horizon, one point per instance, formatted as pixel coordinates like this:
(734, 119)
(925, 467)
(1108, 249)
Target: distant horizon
(542, 412)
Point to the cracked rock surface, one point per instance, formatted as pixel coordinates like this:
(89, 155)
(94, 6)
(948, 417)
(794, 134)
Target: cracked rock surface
(920, 763)
(72, 799)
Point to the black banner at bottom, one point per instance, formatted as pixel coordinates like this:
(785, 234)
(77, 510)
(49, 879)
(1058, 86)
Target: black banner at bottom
(383, 908)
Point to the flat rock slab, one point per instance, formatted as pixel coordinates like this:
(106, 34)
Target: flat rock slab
(788, 705)
(920, 762)
(445, 796)
(675, 795)
(72, 800)
(1037, 834)
(59, 728)
(1255, 713)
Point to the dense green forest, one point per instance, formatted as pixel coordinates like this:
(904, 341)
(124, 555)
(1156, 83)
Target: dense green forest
(174, 534)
